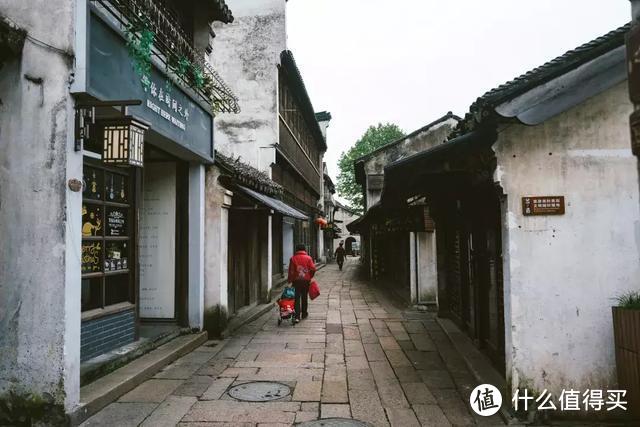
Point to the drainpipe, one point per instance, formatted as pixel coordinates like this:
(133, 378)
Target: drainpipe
(635, 9)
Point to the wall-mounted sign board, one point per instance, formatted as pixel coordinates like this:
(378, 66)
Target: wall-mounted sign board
(542, 205)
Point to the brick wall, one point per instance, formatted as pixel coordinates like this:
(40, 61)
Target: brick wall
(101, 335)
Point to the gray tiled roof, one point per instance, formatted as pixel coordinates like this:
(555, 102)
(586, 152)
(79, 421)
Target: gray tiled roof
(540, 75)
(248, 176)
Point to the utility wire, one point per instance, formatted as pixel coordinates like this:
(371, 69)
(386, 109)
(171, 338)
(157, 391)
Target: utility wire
(41, 43)
(48, 46)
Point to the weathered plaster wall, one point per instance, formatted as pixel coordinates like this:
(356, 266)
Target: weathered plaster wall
(413, 144)
(246, 53)
(561, 272)
(346, 217)
(39, 216)
(421, 141)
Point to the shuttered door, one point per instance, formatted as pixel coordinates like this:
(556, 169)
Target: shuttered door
(454, 273)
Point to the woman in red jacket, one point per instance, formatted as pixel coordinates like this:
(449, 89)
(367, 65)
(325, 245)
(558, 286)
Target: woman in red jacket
(301, 271)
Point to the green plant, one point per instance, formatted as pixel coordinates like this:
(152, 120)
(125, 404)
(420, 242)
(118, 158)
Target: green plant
(374, 138)
(197, 76)
(630, 299)
(140, 40)
(215, 321)
(28, 409)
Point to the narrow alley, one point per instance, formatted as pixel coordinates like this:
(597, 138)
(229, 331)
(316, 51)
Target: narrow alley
(355, 357)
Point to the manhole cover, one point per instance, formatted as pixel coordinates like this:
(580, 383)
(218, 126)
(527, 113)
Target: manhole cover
(334, 422)
(259, 391)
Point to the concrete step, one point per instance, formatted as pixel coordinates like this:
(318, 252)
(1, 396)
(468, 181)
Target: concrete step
(98, 394)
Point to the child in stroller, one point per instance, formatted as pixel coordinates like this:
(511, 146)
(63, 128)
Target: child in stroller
(286, 305)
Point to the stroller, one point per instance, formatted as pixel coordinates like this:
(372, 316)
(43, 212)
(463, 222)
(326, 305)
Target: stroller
(286, 306)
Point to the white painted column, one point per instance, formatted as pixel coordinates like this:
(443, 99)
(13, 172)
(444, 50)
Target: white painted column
(196, 245)
(223, 286)
(413, 274)
(73, 281)
(287, 242)
(321, 255)
(427, 268)
(217, 250)
(270, 254)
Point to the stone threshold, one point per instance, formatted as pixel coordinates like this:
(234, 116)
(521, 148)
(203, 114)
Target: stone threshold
(250, 314)
(105, 390)
(97, 367)
(479, 365)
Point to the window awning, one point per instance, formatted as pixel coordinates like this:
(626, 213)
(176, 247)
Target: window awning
(275, 204)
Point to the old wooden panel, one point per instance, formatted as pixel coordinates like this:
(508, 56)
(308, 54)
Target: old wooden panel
(375, 182)
(626, 327)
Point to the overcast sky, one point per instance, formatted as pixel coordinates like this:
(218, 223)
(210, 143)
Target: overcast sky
(411, 61)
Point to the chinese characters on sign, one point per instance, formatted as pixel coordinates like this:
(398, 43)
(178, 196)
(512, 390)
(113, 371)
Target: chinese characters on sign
(159, 99)
(486, 400)
(572, 400)
(543, 205)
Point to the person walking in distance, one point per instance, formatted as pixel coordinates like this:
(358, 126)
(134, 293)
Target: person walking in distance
(301, 271)
(340, 254)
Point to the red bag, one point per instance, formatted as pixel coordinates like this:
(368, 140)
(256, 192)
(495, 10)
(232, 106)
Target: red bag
(314, 290)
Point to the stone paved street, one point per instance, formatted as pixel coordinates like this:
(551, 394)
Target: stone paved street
(356, 356)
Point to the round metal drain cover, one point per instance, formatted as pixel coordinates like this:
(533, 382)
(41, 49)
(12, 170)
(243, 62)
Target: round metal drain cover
(334, 422)
(260, 391)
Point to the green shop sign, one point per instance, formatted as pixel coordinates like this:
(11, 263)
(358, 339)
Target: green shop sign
(176, 117)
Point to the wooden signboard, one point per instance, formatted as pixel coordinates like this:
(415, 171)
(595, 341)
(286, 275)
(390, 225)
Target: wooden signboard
(542, 205)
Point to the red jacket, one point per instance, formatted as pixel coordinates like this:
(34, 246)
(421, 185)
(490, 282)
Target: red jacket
(301, 267)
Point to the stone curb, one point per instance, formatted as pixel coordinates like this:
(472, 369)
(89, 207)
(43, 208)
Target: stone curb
(111, 387)
(478, 365)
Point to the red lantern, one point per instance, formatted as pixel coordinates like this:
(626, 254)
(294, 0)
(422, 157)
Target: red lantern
(321, 222)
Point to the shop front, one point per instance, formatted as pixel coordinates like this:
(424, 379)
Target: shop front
(142, 231)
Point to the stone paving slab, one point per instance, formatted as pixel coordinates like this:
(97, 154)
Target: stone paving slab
(356, 356)
(331, 410)
(121, 415)
(232, 411)
(194, 386)
(217, 388)
(402, 417)
(152, 391)
(170, 412)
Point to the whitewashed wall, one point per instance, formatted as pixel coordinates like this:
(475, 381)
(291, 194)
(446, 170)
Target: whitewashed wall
(40, 218)
(561, 272)
(246, 53)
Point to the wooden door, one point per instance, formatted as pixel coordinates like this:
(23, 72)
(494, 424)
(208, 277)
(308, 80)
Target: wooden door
(491, 294)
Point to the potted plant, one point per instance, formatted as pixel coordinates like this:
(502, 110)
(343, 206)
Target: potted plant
(626, 331)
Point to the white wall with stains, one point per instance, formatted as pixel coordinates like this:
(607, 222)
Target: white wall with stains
(561, 273)
(246, 53)
(40, 218)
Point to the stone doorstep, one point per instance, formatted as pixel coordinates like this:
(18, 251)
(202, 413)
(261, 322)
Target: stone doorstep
(93, 369)
(479, 365)
(109, 388)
